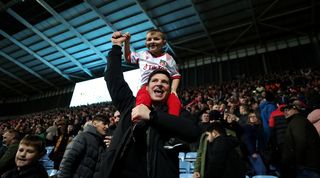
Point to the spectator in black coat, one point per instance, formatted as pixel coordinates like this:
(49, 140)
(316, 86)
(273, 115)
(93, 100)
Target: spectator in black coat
(137, 148)
(83, 152)
(218, 156)
(301, 148)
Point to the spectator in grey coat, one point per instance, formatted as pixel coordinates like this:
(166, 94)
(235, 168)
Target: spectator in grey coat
(83, 153)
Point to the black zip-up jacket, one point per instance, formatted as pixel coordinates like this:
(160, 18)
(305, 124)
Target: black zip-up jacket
(31, 171)
(301, 144)
(141, 153)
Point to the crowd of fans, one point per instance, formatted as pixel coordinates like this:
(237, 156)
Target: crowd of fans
(251, 109)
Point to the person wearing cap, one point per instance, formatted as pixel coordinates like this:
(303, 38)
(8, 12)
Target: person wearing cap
(138, 148)
(301, 148)
(82, 154)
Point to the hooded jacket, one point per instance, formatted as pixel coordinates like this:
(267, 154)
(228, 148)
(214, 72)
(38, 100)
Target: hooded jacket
(82, 154)
(32, 171)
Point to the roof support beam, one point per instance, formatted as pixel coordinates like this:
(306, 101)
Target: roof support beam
(268, 8)
(11, 88)
(244, 24)
(204, 27)
(313, 16)
(25, 68)
(193, 50)
(237, 39)
(101, 16)
(285, 13)
(6, 6)
(53, 44)
(279, 15)
(283, 28)
(212, 33)
(59, 18)
(91, 5)
(20, 80)
(255, 21)
(34, 54)
(153, 24)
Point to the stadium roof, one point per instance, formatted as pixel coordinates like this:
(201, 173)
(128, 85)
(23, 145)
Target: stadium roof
(49, 44)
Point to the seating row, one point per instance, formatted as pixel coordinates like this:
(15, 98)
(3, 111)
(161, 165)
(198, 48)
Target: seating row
(188, 156)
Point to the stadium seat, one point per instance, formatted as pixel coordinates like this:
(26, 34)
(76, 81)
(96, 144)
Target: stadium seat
(49, 149)
(184, 167)
(181, 156)
(45, 160)
(264, 176)
(52, 172)
(191, 156)
(192, 166)
(186, 175)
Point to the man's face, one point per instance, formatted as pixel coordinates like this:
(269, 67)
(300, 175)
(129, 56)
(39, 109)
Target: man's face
(205, 117)
(159, 87)
(211, 136)
(289, 112)
(26, 155)
(155, 42)
(116, 116)
(70, 128)
(100, 126)
(7, 138)
(253, 118)
(215, 107)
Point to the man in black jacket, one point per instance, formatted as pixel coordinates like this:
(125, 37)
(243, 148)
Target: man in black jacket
(82, 154)
(137, 149)
(301, 148)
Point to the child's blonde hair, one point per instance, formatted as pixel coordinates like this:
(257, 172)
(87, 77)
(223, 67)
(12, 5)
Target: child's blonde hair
(163, 36)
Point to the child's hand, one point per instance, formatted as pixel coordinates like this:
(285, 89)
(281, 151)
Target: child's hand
(107, 140)
(175, 93)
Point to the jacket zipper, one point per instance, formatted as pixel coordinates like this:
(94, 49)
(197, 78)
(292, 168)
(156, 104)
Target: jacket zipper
(148, 153)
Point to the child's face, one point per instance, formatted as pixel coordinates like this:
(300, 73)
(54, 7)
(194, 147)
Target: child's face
(155, 42)
(26, 155)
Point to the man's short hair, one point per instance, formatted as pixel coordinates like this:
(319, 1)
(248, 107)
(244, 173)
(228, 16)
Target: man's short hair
(16, 134)
(102, 118)
(296, 104)
(218, 127)
(160, 71)
(163, 36)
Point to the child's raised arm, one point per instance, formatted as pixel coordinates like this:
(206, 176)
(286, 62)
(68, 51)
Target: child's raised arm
(174, 86)
(127, 51)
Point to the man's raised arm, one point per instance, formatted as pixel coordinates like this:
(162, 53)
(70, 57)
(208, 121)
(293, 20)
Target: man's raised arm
(119, 90)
